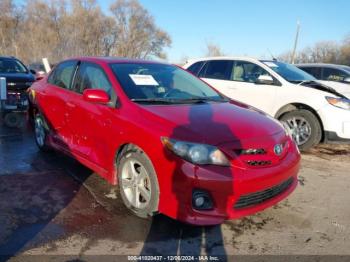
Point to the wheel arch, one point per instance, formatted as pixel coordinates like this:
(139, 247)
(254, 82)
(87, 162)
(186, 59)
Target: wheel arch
(123, 147)
(296, 106)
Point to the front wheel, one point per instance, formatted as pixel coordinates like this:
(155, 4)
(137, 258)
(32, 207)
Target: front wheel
(138, 182)
(304, 126)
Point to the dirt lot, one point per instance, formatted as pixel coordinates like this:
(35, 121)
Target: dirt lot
(51, 205)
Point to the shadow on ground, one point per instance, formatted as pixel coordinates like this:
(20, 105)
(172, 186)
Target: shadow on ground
(48, 197)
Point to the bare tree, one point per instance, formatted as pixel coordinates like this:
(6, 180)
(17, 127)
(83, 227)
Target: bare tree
(9, 27)
(213, 50)
(321, 52)
(345, 51)
(135, 33)
(64, 28)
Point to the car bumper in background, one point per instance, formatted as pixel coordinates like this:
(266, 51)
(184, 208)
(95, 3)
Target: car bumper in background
(336, 123)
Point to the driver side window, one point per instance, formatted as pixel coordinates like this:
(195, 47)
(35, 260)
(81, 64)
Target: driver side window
(91, 76)
(243, 71)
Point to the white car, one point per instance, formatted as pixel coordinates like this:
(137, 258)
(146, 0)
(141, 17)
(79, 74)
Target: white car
(335, 76)
(313, 111)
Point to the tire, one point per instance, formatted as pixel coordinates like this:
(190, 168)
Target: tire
(40, 133)
(308, 128)
(12, 120)
(138, 182)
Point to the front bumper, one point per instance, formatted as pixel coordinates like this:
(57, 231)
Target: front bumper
(226, 185)
(336, 123)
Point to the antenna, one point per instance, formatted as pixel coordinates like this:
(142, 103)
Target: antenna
(272, 56)
(295, 43)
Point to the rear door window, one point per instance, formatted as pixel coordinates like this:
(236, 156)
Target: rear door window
(217, 69)
(62, 74)
(196, 67)
(332, 74)
(314, 71)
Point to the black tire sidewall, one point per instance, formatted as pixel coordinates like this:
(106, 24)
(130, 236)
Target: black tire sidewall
(45, 147)
(316, 129)
(12, 116)
(142, 158)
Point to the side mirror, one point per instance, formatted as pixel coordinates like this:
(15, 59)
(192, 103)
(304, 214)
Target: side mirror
(347, 80)
(264, 80)
(39, 77)
(96, 96)
(32, 71)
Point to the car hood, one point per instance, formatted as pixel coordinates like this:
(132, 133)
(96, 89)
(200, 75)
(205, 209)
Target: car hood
(210, 123)
(17, 77)
(342, 88)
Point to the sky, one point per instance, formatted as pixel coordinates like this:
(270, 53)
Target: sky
(250, 27)
(245, 27)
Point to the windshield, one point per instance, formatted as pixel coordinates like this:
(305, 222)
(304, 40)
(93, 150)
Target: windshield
(145, 82)
(289, 72)
(11, 66)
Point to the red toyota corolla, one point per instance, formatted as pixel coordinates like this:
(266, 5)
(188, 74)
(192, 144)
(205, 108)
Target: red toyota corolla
(172, 143)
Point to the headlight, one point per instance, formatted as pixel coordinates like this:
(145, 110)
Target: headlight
(339, 102)
(196, 153)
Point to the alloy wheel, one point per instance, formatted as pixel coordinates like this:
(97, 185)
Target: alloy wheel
(300, 129)
(39, 132)
(135, 183)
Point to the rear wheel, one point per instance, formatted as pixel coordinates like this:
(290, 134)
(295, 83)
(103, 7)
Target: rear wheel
(138, 182)
(40, 133)
(12, 119)
(305, 128)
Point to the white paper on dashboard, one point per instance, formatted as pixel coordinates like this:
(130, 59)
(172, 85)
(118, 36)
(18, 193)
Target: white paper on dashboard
(143, 80)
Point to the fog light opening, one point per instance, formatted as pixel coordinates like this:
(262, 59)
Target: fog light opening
(201, 200)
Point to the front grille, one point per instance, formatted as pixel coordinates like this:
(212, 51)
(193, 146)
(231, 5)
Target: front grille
(259, 197)
(252, 151)
(259, 163)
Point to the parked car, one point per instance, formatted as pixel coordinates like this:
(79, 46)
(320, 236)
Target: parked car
(335, 76)
(39, 70)
(18, 79)
(18, 76)
(313, 112)
(172, 143)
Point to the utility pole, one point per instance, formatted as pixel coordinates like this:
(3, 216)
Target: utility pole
(295, 43)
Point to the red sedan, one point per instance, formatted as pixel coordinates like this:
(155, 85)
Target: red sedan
(173, 144)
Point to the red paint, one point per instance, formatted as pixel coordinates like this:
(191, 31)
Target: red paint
(94, 132)
(96, 96)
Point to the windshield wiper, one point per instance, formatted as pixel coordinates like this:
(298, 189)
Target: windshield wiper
(154, 100)
(307, 82)
(177, 101)
(202, 100)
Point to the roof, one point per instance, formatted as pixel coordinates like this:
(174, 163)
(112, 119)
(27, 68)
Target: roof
(114, 59)
(321, 65)
(8, 57)
(246, 58)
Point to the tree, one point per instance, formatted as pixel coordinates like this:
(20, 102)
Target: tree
(135, 33)
(322, 52)
(345, 51)
(59, 29)
(213, 50)
(9, 27)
